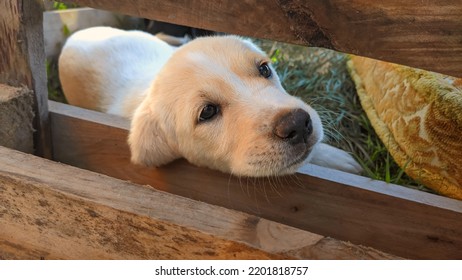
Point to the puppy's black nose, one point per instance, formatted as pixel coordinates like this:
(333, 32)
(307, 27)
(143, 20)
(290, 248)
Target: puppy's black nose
(294, 127)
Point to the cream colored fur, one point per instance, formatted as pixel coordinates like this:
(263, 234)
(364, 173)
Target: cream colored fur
(163, 89)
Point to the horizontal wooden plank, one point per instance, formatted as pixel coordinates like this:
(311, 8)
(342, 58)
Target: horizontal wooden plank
(54, 211)
(425, 35)
(390, 218)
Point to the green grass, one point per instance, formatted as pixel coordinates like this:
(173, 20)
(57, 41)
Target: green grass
(321, 79)
(55, 92)
(63, 6)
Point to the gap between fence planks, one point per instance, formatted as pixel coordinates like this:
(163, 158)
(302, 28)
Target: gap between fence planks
(390, 218)
(416, 33)
(54, 211)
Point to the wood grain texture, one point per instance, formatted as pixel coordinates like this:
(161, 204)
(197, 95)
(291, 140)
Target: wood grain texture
(22, 60)
(54, 211)
(387, 217)
(416, 33)
(16, 118)
(40, 222)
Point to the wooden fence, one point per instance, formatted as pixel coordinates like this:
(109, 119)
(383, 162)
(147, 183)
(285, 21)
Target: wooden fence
(391, 218)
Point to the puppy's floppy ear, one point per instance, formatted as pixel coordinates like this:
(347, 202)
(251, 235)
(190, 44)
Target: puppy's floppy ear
(149, 142)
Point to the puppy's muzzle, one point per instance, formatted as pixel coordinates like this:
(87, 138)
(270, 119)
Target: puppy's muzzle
(294, 127)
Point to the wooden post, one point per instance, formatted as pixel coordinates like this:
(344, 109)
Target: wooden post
(22, 59)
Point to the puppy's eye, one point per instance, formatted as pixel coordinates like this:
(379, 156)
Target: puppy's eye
(208, 112)
(264, 70)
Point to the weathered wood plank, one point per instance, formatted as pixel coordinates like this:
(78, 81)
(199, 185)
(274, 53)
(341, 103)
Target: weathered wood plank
(22, 60)
(54, 211)
(425, 34)
(66, 218)
(390, 218)
(16, 118)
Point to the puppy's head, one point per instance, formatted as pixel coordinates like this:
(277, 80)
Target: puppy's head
(219, 103)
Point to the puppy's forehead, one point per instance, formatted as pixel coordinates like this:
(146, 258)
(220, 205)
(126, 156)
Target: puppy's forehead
(226, 68)
(233, 53)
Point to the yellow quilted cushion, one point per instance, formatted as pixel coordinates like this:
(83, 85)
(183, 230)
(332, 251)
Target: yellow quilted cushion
(418, 116)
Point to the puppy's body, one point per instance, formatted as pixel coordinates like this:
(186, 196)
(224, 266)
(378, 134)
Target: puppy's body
(210, 101)
(110, 70)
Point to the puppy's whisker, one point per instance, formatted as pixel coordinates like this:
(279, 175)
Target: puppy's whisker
(276, 185)
(264, 186)
(229, 184)
(255, 197)
(248, 187)
(295, 181)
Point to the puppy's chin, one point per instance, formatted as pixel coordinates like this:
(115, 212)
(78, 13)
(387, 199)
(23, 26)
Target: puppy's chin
(277, 164)
(296, 162)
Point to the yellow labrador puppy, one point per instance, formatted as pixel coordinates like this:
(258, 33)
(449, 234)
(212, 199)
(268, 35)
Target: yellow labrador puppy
(215, 101)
